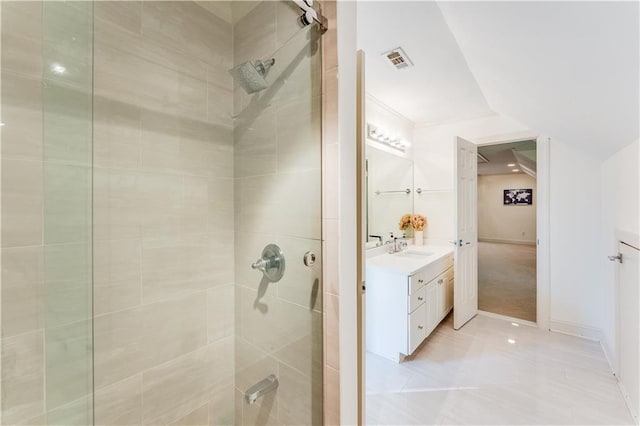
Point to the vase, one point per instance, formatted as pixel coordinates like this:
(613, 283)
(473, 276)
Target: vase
(418, 237)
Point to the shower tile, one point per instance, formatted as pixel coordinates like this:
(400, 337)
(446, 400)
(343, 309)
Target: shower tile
(255, 35)
(131, 341)
(305, 354)
(219, 96)
(332, 397)
(173, 390)
(208, 205)
(22, 203)
(120, 404)
(117, 134)
(298, 131)
(255, 146)
(298, 402)
(116, 296)
(22, 290)
(288, 21)
(303, 190)
(160, 202)
(251, 364)
(123, 15)
(198, 417)
(116, 260)
(192, 98)
(301, 284)
(222, 404)
(331, 262)
(76, 413)
(22, 378)
(268, 322)
(332, 356)
(296, 74)
(185, 26)
(67, 203)
(206, 149)
(117, 210)
(160, 143)
(22, 115)
(197, 262)
(22, 38)
(330, 185)
(220, 312)
(148, 49)
(68, 364)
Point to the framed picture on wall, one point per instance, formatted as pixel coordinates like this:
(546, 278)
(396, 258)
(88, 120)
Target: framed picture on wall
(518, 197)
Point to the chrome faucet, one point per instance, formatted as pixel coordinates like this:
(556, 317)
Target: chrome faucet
(397, 245)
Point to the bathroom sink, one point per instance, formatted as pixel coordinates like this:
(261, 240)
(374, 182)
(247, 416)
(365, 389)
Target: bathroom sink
(416, 254)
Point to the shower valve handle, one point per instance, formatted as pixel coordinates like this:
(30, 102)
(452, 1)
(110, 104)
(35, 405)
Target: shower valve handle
(271, 263)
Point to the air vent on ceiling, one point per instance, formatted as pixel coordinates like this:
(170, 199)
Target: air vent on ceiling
(398, 58)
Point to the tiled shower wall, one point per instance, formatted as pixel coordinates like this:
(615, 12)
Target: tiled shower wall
(278, 200)
(184, 198)
(163, 231)
(163, 214)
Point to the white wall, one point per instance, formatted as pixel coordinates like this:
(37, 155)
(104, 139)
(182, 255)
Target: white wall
(575, 265)
(433, 153)
(619, 186)
(574, 237)
(500, 223)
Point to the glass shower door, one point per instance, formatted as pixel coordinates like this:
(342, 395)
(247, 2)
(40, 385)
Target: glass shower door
(47, 264)
(277, 169)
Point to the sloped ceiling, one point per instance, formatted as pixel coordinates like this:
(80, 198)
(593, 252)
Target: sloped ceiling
(568, 70)
(440, 86)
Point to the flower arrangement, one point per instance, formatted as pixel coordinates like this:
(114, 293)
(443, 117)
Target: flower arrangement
(416, 221)
(405, 222)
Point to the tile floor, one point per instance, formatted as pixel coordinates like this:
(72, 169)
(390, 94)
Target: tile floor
(476, 376)
(507, 279)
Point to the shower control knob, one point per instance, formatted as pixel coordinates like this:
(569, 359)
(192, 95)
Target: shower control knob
(309, 258)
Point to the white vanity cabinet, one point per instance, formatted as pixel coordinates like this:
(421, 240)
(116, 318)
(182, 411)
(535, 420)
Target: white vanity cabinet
(404, 305)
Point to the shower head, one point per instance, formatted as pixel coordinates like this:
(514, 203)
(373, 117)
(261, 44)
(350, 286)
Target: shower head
(251, 75)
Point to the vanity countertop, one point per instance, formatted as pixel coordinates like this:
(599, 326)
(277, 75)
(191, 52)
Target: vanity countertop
(411, 260)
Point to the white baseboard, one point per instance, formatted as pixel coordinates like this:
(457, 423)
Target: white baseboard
(586, 332)
(506, 318)
(495, 240)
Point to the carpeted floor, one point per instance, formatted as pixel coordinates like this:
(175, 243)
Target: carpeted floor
(507, 279)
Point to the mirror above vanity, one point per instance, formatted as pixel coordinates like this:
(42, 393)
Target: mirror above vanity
(389, 193)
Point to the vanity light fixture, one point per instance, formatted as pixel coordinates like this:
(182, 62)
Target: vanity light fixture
(381, 135)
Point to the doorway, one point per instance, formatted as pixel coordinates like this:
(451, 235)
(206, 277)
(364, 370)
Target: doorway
(507, 231)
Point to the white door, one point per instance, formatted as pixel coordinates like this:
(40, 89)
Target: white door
(465, 289)
(628, 328)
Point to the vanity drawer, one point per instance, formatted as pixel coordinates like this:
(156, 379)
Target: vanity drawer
(417, 328)
(416, 299)
(416, 281)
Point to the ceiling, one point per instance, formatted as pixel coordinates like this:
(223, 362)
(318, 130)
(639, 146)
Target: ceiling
(568, 70)
(499, 156)
(440, 87)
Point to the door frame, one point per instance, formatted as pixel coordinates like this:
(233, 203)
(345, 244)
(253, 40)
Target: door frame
(543, 291)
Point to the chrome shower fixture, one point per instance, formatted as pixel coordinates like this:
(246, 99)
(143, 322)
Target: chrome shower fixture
(251, 75)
